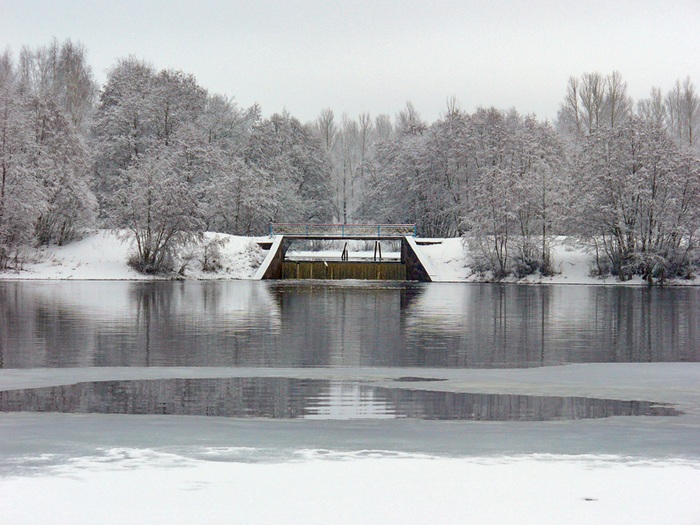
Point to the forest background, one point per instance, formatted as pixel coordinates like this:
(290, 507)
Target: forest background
(155, 154)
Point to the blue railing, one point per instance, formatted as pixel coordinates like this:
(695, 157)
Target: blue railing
(343, 230)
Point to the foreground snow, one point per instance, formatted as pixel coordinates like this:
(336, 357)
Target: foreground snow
(316, 486)
(102, 255)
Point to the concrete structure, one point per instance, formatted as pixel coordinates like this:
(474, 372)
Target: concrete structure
(413, 266)
(271, 267)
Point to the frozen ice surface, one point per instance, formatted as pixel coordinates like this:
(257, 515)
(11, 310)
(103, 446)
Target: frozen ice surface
(175, 469)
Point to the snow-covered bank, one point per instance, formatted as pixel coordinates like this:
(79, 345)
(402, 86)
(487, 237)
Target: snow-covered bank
(146, 486)
(570, 259)
(102, 255)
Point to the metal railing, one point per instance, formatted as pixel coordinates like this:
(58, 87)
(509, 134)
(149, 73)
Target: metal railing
(343, 230)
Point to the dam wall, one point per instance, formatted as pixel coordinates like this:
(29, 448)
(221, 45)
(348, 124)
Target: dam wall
(414, 266)
(363, 270)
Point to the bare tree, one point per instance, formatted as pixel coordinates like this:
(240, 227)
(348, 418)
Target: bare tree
(683, 113)
(327, 129)
(62, 71)
(592, 102)
(618, 103)
(652, 109)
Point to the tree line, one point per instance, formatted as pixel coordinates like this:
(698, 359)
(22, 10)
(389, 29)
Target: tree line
(622, 178)
(155, 154)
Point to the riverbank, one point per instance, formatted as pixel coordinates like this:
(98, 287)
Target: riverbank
(102, 255)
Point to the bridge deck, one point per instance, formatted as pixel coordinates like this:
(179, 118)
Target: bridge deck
(343, 231)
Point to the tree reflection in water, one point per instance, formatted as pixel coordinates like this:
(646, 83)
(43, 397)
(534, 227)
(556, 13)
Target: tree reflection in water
(319, 399)
(342, 324)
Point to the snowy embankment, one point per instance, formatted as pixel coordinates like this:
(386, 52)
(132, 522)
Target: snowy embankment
(102, 255)
(571, 261)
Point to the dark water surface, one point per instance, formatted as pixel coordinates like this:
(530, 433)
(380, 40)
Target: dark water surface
(282, 398)
(342, 324)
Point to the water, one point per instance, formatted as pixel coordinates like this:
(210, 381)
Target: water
(335, 326)
(285, 398)
(346, 324)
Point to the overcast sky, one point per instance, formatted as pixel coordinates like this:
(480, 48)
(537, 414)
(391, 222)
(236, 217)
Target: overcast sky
(373, 56)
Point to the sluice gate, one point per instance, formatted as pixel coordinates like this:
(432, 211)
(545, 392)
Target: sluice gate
(363, 270)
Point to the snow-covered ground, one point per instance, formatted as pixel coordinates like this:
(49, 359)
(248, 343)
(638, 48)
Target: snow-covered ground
(145, 486)
(102, 255)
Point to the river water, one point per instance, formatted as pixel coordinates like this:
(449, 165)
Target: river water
(345, 324)
(336, 326)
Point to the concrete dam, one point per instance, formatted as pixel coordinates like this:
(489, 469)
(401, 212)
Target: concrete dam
(411, 266)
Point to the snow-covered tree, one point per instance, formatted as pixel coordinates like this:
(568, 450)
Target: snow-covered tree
(239, 198)
(159, 140)
(124, 126)
(637, 201)
(491, 222)
(21, 195)
(539, 191)
(60, 161)
(448, 180)
(155, 202)
(45, 160)
(394, 172)
(296, 168)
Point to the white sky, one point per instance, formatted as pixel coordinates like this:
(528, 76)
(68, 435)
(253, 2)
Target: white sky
(355, 56)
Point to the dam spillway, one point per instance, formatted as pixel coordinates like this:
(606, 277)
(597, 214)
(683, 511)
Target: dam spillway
(363, 270)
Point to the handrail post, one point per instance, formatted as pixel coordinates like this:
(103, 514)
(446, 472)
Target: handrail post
(415, 230)
(379, 230)
(343, 231)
